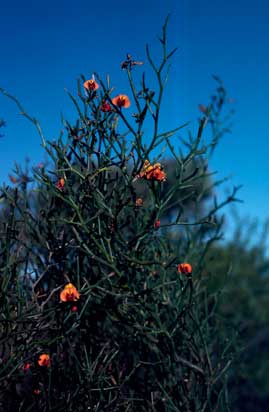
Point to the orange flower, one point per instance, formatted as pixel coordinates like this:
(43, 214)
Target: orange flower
(185, 268)
(60, 184)
(139, 202)
(69, 293)
(91, 85)
(121, 101)
(152, 172)
(44, 360)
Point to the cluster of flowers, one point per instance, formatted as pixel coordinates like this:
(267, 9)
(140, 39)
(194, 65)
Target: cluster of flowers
(119, 101)
(152, 172)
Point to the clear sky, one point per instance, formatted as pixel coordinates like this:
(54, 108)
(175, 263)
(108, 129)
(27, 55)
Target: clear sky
(46, 45)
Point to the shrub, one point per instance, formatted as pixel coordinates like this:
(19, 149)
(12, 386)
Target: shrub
(103, 306)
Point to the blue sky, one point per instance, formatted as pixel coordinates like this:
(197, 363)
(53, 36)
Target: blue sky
(46, 45)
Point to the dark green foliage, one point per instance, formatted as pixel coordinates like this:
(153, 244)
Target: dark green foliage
(144, 337)
(243, 305)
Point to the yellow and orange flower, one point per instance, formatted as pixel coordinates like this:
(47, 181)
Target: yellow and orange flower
(121, 101)
(184, 268)
(44, 360)
(152, 172)
(91, 85)
(69, 293)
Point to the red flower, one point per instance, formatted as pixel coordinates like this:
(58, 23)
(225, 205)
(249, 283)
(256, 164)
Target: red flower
(184, 268)
(26, 366)
(157, 224)
(74, 309)
(36, 391)
(60, 184)
(91, 85)
(44, 360)
(106, 107)
(69, 293)
(121, 101)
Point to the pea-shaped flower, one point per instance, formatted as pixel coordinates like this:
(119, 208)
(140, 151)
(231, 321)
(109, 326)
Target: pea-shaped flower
(69, 293)
(44, 360)
(184, 268)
